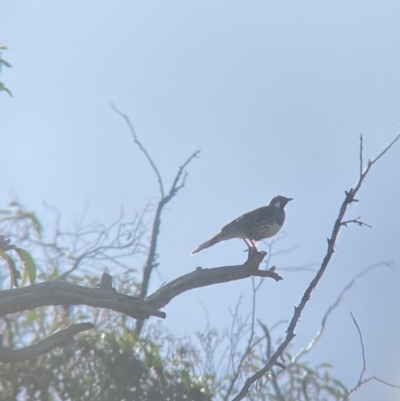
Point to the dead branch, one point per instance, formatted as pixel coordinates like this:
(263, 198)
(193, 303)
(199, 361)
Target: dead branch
(140, 146)
(355, 221)
(59, 292)
(177, 184)
(152, 254)
(9, 355)
(205, 277)
(274, 381)
(349, 199)
(364, 366)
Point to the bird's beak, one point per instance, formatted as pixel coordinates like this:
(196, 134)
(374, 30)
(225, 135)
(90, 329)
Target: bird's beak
(289, 199)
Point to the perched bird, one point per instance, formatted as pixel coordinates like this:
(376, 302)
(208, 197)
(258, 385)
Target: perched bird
(254, 226)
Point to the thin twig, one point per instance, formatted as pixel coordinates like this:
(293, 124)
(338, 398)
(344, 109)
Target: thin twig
(141, 147)
(339, 299)
(356, 221)
(361, 154)
(384, 150)
(274, 381)
(362, 381)
(380, 381)
(364, 367)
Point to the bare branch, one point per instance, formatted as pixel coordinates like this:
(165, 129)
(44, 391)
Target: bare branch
(141, 147)
(349, 198)
(274, 381)
(374, 378)
(9, 355)
(177, 184)
(361, 155)
(150, 263)
(205, 277)
(60, 292)
(371, 162)
(362, 381)
(364, 368)
(152, 255)
(250, 345)
(356, 221)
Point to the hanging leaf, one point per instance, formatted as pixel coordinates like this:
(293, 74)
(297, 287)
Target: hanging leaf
(15, 275)
(35, 221)
(29, 264)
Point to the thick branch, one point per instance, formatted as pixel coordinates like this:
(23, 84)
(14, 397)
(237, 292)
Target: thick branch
(9, 355)
(60, 292)
(205, 277)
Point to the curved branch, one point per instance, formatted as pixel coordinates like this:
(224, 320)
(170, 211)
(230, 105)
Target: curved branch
(59, 292)
(9, 355)
(205, 277)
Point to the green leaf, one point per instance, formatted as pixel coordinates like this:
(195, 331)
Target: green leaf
(35, 221)
(6, 63)
(54, 274)
(29, 264)
(4, 88)
(15, 275)
(14, 202)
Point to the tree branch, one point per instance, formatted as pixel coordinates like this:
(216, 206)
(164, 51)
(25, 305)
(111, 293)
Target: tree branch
(9, 355)
(349, 198)
(140, 146)
(60, 292)
(205, 277)
(362, 381)
(152, 254)
(177, 184)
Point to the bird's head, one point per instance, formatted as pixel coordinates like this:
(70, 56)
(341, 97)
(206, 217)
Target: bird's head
(279, 201)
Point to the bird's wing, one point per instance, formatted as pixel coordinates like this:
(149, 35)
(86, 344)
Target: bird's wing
(248, 217)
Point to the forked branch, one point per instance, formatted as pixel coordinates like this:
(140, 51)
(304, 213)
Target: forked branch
(177, 184)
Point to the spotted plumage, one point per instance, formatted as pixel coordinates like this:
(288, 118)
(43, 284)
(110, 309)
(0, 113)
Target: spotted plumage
(254, 226)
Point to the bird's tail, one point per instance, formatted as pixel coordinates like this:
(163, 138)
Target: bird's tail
(212, 241)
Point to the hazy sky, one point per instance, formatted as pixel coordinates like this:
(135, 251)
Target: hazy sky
(275, 95)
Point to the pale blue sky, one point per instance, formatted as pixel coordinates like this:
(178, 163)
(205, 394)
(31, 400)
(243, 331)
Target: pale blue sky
(275, 95)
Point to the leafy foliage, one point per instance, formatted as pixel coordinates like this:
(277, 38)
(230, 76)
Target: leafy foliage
(108, 366)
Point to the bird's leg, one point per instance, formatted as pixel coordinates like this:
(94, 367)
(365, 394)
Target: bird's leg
(254, 245)
(248, 245)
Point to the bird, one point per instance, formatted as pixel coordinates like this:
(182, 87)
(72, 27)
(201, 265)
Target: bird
(254, 226)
